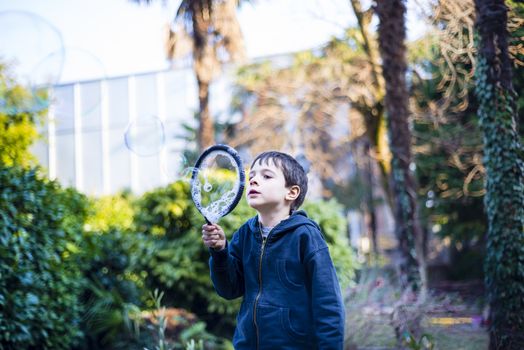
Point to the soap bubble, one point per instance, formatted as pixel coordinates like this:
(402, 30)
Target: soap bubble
(78, 65)
(208, 187)
(27, 39)
(145, 136)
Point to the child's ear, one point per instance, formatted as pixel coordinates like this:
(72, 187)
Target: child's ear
(293, 193)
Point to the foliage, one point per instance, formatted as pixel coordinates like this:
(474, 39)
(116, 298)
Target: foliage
(110, 321)
(161, 324)
(450, 174)
(372, 318)
(504, 162)
(303, 105)
(115, 261)
(425, 341)
(449, 166)
(191, 329)
(176, 261)
(17, 122)
(111, 212)
(114, 284)
(39, 282)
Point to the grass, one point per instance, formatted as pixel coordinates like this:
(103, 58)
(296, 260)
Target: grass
(459, 337)
(370, 307)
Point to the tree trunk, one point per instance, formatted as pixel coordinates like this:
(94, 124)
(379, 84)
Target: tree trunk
(206, 128)
(392, 34)
(204, 65)
(503, 160)
(375, 126)
(370, 202)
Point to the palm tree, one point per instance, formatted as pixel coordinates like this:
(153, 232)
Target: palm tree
(374, 118)
(216, 38)
(504, 163)
(392, 33)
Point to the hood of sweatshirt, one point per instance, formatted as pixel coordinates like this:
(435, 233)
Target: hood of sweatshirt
(296, 219)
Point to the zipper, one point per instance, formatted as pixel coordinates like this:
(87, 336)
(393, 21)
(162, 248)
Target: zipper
(264, 240)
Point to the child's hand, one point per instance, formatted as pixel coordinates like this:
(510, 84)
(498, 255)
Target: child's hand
(213, 236)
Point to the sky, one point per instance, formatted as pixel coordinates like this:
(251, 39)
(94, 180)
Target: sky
(62, 41)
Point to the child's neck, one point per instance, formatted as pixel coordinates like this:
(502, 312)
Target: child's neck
(273, 218)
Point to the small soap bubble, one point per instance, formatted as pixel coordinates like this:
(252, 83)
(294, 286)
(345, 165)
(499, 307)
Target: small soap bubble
(208, 187)
(145, 136)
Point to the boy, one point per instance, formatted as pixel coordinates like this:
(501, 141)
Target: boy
(279, 262)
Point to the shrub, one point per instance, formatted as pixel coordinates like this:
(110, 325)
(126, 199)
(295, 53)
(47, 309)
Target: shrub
(176, 261)
(17, 120)
(39, 281)
(114, 286)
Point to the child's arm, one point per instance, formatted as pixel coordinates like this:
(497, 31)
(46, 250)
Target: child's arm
(326, 301)
(225, 262)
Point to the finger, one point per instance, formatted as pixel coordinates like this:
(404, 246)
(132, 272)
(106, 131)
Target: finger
(209, 237)
(209, 242)
(207, 233)
(210, 234)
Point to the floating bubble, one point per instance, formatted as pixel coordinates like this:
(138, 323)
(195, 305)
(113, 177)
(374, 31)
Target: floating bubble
(79, 66)
(27, 39)
(145, 136)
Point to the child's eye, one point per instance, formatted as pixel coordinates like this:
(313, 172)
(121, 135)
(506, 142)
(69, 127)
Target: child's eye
(267, 177)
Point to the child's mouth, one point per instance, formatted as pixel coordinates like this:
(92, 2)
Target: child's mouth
(252, 192)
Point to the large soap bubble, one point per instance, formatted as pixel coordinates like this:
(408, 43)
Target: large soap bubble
(27, 39)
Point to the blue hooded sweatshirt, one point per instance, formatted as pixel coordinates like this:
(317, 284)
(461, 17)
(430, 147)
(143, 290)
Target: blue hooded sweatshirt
(291, 295)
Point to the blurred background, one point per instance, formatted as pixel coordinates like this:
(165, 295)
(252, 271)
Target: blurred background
(107, 104)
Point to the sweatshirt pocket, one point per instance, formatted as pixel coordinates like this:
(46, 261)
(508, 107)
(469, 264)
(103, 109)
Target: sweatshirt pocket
(295, 327)
(290, 274)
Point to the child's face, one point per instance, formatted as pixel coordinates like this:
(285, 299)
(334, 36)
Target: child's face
(266, 189)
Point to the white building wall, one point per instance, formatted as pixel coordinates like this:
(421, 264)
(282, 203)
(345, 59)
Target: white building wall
(83, 143)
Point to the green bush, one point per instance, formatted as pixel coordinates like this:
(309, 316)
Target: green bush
(114, 287)
(176, 260)
(18, 128)
(39, 281)
(74, 268)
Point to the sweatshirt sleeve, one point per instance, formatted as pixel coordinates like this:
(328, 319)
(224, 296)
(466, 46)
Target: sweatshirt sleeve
(326, 300)
(226, 269)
